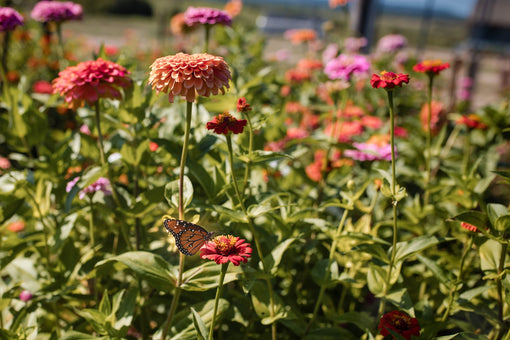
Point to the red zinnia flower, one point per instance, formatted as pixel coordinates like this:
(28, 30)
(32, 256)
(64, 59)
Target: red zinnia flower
(153, 146)
(472, 121)
(224, 123)
(431, 66)
(388, 80)
(186, 75)
(401, 323)
(43, 87)
(242, 105)
(226, 248)
(90, 80)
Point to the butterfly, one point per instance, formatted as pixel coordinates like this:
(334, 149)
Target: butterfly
(189, 237)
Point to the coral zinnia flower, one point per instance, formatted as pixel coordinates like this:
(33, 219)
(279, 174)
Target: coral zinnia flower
(90, 80)
(43, 87)
(431, 66)
(186, 75)
(242, 105)
(297, 36)
(472, 121)
(9, 19)
(224, 123)
(437, 118)
(56, 11)
(226, 248)
(388, 80)
(233, 7)
(205, 15)
(400, 323)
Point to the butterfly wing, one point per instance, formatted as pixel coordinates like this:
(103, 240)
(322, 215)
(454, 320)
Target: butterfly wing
(189, 237)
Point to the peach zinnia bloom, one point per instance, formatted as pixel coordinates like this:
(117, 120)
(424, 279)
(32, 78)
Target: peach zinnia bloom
(437, 117)
(90, 80)
(297, 36)
(186, 75)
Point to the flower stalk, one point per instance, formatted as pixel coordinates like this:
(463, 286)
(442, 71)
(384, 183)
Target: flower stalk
(428, 157)
(224, 267)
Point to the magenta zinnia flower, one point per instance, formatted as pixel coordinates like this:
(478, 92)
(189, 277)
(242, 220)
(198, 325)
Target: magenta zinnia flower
(90, 80)
(102, 184)
(9, 19)
(25, 295)
(56, 11)
(391, 43)
(345, 66)
(186, 75)
(226, 248)
(369, 152)
(224, 123)
(205, 15)
(400, 323)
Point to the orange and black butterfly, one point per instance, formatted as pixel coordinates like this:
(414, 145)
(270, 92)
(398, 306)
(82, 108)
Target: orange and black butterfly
(189, 237)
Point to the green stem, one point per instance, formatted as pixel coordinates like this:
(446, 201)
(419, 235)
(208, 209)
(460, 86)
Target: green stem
(393, 203)
(250, 148)
(92, 281)
(207, 35)
(252, 229)
(61, 58)
(499, 285)
(428, 157)
(332, 252)
(459, 279)
(224, 267)
(467, 150)
(5, 51)
(184, 154)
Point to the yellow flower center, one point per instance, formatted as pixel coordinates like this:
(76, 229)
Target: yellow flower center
(432, 63)
(225, 244)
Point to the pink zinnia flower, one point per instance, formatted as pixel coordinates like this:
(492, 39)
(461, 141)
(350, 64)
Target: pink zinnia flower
(330, 52)
(369, 152)
(90, 80)
(224, 123)
(4, 163)
(9, 19)
(56, 11)
(42, 87)
(205, 15)
(464, 88)
(346, 66)
(102, 184)
(226, 248)
(188, 75)
(353, 45)
(25, 295)
(391, 43)
(401, 323)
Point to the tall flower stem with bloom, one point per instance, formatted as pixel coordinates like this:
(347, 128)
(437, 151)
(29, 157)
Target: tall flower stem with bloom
(224, 267)
(182, 258)
(252, 229)
(388, 81)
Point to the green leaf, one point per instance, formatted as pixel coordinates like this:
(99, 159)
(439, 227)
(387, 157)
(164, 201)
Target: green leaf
(261, 304)
(73, 335)
(435, 269)
(199, 324)
(490, 253)
(502, 223)
(475, 218)
(494, 211)
(198, 172)
(273, 260)
(95, 318)
(319, 273)
(402, 300)
(235, 216)
(172, 192)
(258, 156)
(376, 279)
(417, 244)
(105, 306)
(205, 276)
(362, 320)
(124, 308)
(148, 266)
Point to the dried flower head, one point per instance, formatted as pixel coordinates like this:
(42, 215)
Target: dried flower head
(431, 67)
(388, 80)
(9, 19)
(90, 80)
(186, 75)
(224, 123)
(56, 11)
(226, 248)
(401, 323)
(205, 15)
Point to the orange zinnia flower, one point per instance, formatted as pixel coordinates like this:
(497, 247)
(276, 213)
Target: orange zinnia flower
(90, 80)
(297, 36)
(186, 75)
(431, 66)
(437, 118)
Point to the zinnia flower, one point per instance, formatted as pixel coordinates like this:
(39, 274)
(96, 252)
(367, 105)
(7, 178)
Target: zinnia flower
(336, 3)
(186, 75)
(369, 152)
(9, 19)
(16, 226)
(297, 36)
(468, 226)
(400, 323)
(25, 295)
(102, 184)
(4, 163)
(388, 80)
(472, 121)
(391, 43)
(205, 15)
(297, 75)
(90, 80)
(345, 66)
(437, 117)
(224, 123)
(56, 11)
(242, 105)
(42, 87)
(431, 67)
(233, 7)
(226, 248)
(353, 45)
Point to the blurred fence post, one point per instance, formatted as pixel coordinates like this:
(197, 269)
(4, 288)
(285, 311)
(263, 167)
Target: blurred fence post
(363, 15)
